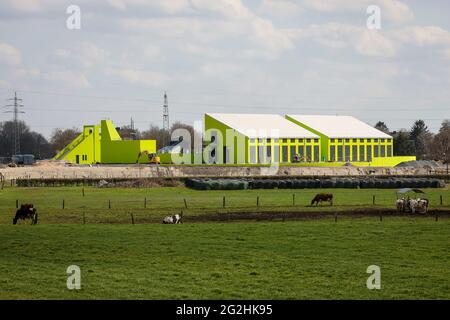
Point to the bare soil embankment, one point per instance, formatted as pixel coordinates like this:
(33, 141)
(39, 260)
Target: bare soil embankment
(55, 170)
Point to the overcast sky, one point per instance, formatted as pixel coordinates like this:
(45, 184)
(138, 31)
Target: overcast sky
(255, 56)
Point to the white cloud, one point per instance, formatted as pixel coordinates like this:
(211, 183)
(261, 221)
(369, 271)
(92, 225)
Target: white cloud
(337, 35)
(86, 53)
(167, 6)
(92, 55)
(422, 35)
(282, 8)
(372, 43)
(235, 20)
(446, 53)
(391, 10)
(152, 52)
(260, 31)
(73, 79)
(31, 6)
(216, 69)
(145, 78)
(9, 54)
(27, 72)
(4, 84)
(396, 11)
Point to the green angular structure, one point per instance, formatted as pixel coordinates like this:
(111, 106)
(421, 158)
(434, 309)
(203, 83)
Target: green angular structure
(102, 144)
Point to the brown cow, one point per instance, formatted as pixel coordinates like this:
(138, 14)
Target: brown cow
(322, 197)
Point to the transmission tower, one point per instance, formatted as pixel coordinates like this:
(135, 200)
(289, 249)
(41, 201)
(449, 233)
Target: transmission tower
(15, 110)
(166, 127)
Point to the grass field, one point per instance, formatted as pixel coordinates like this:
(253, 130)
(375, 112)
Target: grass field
(317, 259)
(309, 259)
(162, 201)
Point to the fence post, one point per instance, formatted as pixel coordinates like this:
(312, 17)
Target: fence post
(132, 218)
(17, 204)
(185, 203)
(293, 199)
(109, 204)
(223, 201)
(145, 203)
(84, 217)
(436, 217)
(82, 190)
(373, 199)
(441, 199)
(381, 217)
(63, 204)
(335, 217)
(257, 201)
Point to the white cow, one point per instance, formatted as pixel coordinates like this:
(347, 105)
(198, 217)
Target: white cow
(423, 204)
(413, 205)
(401, 204)
(173, 219)
(420, 205)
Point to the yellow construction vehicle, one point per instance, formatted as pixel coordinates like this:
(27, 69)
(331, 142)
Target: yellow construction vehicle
(152, 157)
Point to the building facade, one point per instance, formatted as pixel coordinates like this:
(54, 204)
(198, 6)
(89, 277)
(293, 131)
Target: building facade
(347, 139)
(308, 139)
(102, 144)
(258, 139)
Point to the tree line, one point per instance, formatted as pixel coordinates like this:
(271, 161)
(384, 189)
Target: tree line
(418, 141)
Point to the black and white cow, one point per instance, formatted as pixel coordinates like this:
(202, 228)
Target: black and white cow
(176, 218)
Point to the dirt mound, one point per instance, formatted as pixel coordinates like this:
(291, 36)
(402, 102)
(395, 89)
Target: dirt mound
(427, 164)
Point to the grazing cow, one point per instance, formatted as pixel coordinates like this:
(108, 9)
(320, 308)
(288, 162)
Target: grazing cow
(173, 219)
(413, 204)
(419, 205)
(322, 197)
(423, 204)
(26, 211)
(401, 204)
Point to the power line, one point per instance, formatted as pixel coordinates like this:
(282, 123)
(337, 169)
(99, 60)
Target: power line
(15, 110)
(219, 105)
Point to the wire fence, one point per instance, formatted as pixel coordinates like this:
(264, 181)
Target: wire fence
(82, 209)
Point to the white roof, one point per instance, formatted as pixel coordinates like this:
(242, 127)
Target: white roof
(262, 125)
(339, 126)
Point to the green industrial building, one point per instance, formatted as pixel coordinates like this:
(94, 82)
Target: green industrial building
(304, 139)
(103, 144)
(265, 138)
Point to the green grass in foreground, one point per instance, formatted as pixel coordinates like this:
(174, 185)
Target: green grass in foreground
(170, 200)
(317, 259)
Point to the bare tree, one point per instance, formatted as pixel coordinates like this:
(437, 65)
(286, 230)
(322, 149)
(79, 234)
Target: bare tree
(62, 137)
(156, 133)
(440, 145)
(128, 133)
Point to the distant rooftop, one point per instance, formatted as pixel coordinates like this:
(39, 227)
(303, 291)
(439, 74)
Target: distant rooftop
(339, 126)
(262, 125)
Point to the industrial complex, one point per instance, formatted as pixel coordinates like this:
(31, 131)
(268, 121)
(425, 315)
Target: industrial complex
(313, 140)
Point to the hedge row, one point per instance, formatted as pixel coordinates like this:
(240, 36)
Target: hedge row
(364, 183)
